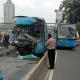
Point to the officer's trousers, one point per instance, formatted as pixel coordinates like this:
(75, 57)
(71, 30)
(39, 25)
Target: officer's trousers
(51, 57)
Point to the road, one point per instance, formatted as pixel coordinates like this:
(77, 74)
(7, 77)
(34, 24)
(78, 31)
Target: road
(67, 65)
(13, 68)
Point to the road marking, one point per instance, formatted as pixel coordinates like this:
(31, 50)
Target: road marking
(51, 75)
(56, 57)
(52, 71)
(47, 75)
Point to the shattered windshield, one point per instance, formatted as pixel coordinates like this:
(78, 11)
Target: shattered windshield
(31, 33)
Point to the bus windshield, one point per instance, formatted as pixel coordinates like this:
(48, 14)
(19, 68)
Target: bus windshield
(32, 31)
(66, 31)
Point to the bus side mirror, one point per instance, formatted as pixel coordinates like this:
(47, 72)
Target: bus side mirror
(55, 30)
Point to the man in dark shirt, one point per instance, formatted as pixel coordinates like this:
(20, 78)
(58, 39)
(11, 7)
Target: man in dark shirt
(6, 40)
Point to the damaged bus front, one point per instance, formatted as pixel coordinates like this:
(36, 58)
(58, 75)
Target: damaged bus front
(29, 35)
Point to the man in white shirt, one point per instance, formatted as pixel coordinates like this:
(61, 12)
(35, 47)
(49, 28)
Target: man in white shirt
(50, 45)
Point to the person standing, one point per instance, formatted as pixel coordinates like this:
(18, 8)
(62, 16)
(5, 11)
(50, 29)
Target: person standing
(4, 44)
(6, 40)
(50, 45)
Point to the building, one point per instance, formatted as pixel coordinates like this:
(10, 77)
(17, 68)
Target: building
(9, 12)
(58, 16)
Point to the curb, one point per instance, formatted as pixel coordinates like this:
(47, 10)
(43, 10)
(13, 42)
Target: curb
(34, 73)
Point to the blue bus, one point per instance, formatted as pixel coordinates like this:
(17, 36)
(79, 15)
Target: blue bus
(65, 35)
(29, 35)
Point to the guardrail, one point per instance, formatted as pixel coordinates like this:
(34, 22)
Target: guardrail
(39, 71)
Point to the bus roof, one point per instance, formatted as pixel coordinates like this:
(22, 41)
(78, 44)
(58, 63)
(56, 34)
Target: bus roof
(28, 20)
(25, 21)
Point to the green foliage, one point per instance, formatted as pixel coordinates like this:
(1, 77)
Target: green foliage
(71, 9)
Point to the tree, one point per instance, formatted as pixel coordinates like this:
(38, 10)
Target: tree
(71, 9)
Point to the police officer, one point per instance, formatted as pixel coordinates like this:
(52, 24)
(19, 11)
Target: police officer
(50, 45)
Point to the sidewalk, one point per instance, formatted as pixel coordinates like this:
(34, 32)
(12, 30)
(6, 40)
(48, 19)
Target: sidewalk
(3, 51)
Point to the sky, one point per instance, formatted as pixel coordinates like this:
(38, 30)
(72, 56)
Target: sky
(34, 8)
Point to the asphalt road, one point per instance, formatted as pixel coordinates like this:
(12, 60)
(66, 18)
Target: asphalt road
(67, 65)
(15, 69)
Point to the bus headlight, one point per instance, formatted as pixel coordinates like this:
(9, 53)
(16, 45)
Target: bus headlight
(58, 42)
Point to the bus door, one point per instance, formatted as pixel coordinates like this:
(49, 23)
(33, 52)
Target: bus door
(49, 31)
